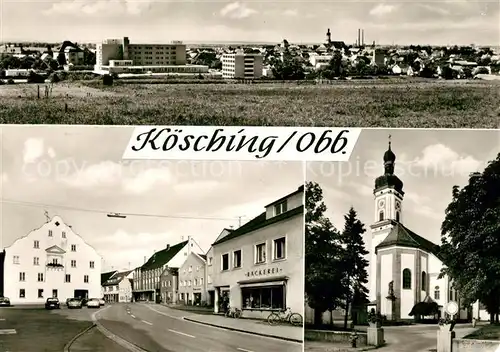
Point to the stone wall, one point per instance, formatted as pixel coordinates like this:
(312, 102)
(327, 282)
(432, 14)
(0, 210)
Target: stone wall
(465, 345)
(333, 336)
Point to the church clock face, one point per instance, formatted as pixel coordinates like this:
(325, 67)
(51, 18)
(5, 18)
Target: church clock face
(381, 203)
(398, 205)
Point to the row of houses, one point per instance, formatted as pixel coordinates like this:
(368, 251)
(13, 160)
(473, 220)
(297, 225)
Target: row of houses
(257, 267)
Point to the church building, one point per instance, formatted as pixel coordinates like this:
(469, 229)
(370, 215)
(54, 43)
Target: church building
(404, 266)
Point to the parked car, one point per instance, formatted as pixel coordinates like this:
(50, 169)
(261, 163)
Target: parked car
(102, 302)
(84, 301)
(4, 302)
(74, 303)
(52, 303)
(93, 303)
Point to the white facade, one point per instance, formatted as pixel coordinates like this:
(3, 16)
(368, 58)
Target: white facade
(242, 65)
(118, 287)
(51, 261)
(260, 266)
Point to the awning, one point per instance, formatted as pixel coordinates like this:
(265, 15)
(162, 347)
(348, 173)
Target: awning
(272, 281)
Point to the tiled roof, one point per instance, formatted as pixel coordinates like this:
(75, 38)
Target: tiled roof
(162, 257)
(260, 222)
(404, 237)
(105, 276)
(117, 278)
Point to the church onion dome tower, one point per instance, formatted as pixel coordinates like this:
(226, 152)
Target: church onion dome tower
(389, 180)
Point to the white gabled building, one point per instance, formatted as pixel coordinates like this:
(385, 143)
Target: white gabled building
(51, 261)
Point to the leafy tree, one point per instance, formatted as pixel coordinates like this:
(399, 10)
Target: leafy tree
(428, 71)
(471, 239)
(323, 257)
(290, 68)
(354, 262)
(336, 64)
(447, 72)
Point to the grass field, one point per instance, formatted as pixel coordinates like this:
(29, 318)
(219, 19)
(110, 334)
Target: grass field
(487, 332)
(397, 103)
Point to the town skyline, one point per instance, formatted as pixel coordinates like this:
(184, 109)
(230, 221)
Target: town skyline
(46, 169)
(403, 23)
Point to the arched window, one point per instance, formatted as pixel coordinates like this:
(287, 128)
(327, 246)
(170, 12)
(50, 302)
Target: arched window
(381, 216)
(424, 281)
(436, 293)
(407, 279)
(397, 216)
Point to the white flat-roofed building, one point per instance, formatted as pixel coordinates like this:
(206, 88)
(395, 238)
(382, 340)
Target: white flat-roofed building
(51, 261)
(241, 65)
(151, 55)
(318, 61)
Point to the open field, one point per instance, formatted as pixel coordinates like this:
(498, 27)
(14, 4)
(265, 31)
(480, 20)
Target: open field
(382, 103)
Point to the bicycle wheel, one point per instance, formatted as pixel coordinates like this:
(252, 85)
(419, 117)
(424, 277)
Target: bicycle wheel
(295, 319)
(237, 314)
(273, 319)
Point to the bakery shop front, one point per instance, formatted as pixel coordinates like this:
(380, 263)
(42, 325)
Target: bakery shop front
(259, 267)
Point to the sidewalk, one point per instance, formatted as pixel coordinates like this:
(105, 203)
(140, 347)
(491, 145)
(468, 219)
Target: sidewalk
(93, 340)
(316, 346)
(256, 327)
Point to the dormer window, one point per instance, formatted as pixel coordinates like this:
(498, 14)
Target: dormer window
(280, 208)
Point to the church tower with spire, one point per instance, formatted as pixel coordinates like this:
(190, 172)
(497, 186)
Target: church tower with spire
(328, 37)
(388, 198)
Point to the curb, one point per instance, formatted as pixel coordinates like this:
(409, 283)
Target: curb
(243, 331)
(77, 336)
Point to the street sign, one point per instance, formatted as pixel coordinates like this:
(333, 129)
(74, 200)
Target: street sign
(451, 308)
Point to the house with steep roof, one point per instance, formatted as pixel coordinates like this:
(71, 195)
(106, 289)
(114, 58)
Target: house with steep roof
(118, 287)
(147, 278)
(192, 280)
(51, 261)
(259, 267)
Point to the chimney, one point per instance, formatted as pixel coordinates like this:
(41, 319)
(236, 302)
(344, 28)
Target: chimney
(144, 259)
(362, 37)
(359, 37)
(168, 247)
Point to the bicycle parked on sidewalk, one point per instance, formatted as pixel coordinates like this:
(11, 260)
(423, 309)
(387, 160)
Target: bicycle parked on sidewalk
(233, 313)
(285, 316)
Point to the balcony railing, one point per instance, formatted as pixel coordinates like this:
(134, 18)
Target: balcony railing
(55, 265)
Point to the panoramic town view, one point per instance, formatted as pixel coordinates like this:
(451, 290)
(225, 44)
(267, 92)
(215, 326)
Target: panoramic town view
(401, 247)
(364, 56)
(103, 255)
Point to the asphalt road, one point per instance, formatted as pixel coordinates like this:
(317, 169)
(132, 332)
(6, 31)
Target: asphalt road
(163, 330)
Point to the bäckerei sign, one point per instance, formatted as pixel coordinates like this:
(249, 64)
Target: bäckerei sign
(264, 272)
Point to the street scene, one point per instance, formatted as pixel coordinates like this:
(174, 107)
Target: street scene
(371, 280)
(145, 256)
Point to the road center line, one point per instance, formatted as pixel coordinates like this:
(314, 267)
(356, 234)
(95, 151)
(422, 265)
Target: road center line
(2, 319)
(244, 350)
(181, 333)
(146, 322)
(133, 316)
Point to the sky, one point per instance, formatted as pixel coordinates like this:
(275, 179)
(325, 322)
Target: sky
(81, 167)
(434, 22)
(429, 162)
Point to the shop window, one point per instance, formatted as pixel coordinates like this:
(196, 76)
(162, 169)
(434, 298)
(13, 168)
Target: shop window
(272, 297)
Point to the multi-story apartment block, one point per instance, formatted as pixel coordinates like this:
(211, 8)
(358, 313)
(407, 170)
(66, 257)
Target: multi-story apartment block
(118, 288)
(147, 277)
(119, 56)
(260, 266)
(241, 65)
(169, 285)
(192, 284)
(51, 261)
